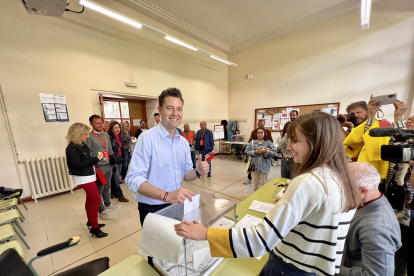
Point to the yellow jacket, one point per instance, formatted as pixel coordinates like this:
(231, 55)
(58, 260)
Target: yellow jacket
(359, 144)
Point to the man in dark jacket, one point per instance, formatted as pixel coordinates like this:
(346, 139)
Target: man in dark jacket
(204, 142)
(143, 127)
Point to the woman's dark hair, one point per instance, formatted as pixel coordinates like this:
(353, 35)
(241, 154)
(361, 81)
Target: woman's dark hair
(170, 92)
(265, 137)
(324, 136)
(111, 127)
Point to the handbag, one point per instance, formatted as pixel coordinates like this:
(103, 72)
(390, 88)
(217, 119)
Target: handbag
(100, 177)
(250, 167)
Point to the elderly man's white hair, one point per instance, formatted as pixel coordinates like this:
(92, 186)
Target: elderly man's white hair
(365, 175)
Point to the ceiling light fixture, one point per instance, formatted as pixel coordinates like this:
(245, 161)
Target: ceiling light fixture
(221, 59)
(110, 13)
(365, 13)
(180, 43)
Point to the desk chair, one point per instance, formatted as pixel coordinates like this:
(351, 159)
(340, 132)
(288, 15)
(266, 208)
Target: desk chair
(11, 204)
(12, 264)
(13, 244)
(10, 217)
(17, 196)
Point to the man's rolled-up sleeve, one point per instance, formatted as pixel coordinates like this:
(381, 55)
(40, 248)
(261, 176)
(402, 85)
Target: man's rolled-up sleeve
(140, 163)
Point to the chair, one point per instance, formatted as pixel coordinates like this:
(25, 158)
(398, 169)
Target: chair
(12, 244)
(11, 204)
(10, 217)
(6, 233)
(11, 263)
(17, 196)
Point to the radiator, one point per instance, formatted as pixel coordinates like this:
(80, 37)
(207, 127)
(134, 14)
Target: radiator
(48, 176)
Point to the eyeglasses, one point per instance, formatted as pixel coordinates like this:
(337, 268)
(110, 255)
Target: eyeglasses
(411, 120)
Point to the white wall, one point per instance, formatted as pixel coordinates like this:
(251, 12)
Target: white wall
(77, 53)
(333, 61)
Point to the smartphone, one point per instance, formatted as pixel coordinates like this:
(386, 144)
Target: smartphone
(386, 99)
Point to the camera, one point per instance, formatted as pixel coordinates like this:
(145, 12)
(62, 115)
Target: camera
(400, 148)
(346, 118)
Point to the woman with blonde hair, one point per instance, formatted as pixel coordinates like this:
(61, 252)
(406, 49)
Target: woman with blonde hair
(81, 167)
(306, 230)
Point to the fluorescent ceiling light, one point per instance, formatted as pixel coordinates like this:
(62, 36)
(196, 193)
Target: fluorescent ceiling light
(221, 59)
(365, 13)
(96, 7)
(180, 43)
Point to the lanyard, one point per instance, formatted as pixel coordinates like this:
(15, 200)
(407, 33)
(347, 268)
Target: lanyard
(103, 136)
(202, 134)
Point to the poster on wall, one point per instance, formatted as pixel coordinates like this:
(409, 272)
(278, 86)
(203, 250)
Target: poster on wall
(54, 108)
(275, 124)
(332, 110)
(218, 132)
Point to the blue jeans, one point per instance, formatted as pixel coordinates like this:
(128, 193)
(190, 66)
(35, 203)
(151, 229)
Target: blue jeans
(275, 266)
(116, 177)
(127, 156)
(193, 158)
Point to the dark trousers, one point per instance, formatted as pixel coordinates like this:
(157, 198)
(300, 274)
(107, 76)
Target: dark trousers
(116, 178)
(193, 158)
(209, 163)
(410, 253)
(287, 168)
(276, 266)
(401, 254)
(144, 210)
(127, 156)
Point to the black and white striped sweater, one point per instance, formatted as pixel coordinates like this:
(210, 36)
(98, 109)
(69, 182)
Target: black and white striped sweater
(305, 228)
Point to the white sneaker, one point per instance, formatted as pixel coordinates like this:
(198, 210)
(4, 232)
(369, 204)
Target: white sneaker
(113, 206)
(105, 216)
(248, 181)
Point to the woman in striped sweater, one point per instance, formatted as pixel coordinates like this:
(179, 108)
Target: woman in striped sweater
(306, 230)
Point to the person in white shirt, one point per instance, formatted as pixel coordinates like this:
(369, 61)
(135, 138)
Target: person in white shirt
(305, 231)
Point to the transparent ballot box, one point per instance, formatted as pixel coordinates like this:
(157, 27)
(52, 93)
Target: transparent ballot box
(195, 258)
(237, 138)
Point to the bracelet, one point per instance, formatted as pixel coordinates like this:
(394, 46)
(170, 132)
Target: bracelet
(198, 174)
(164, 199)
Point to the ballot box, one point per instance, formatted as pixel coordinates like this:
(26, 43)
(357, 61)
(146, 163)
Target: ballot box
(237, 138)
(194, 257)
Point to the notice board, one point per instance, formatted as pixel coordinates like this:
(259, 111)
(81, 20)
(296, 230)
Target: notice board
(276, 117)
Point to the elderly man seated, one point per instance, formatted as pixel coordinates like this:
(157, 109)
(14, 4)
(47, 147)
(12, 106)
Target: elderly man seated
(374, 233)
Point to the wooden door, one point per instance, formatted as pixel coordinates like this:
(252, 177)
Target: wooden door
(137, 112)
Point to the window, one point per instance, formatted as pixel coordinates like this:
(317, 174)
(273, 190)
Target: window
(116, 111)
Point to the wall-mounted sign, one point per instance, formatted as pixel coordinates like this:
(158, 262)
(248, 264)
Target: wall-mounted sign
(54, 108)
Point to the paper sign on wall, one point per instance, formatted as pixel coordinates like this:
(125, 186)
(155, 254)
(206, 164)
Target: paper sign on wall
(54, 108)
(136, 122)
(218, 132)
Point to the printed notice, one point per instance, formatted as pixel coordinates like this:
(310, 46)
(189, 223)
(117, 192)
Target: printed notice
(54, 108)
(261, 207)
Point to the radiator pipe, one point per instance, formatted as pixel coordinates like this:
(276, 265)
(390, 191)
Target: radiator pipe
(10, 133)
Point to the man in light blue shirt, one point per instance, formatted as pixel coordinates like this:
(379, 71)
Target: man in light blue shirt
(162, 160)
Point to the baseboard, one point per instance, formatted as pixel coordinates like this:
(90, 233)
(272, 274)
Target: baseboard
(29, 198)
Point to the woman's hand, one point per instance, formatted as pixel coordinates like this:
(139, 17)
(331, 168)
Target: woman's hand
(100, 157)
(400, 108)
(373, 107)
(193, 231)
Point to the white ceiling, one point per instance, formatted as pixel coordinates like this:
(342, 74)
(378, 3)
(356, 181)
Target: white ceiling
(251, 21)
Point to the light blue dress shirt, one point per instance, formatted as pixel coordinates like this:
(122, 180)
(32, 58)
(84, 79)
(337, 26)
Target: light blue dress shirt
(160, 160)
